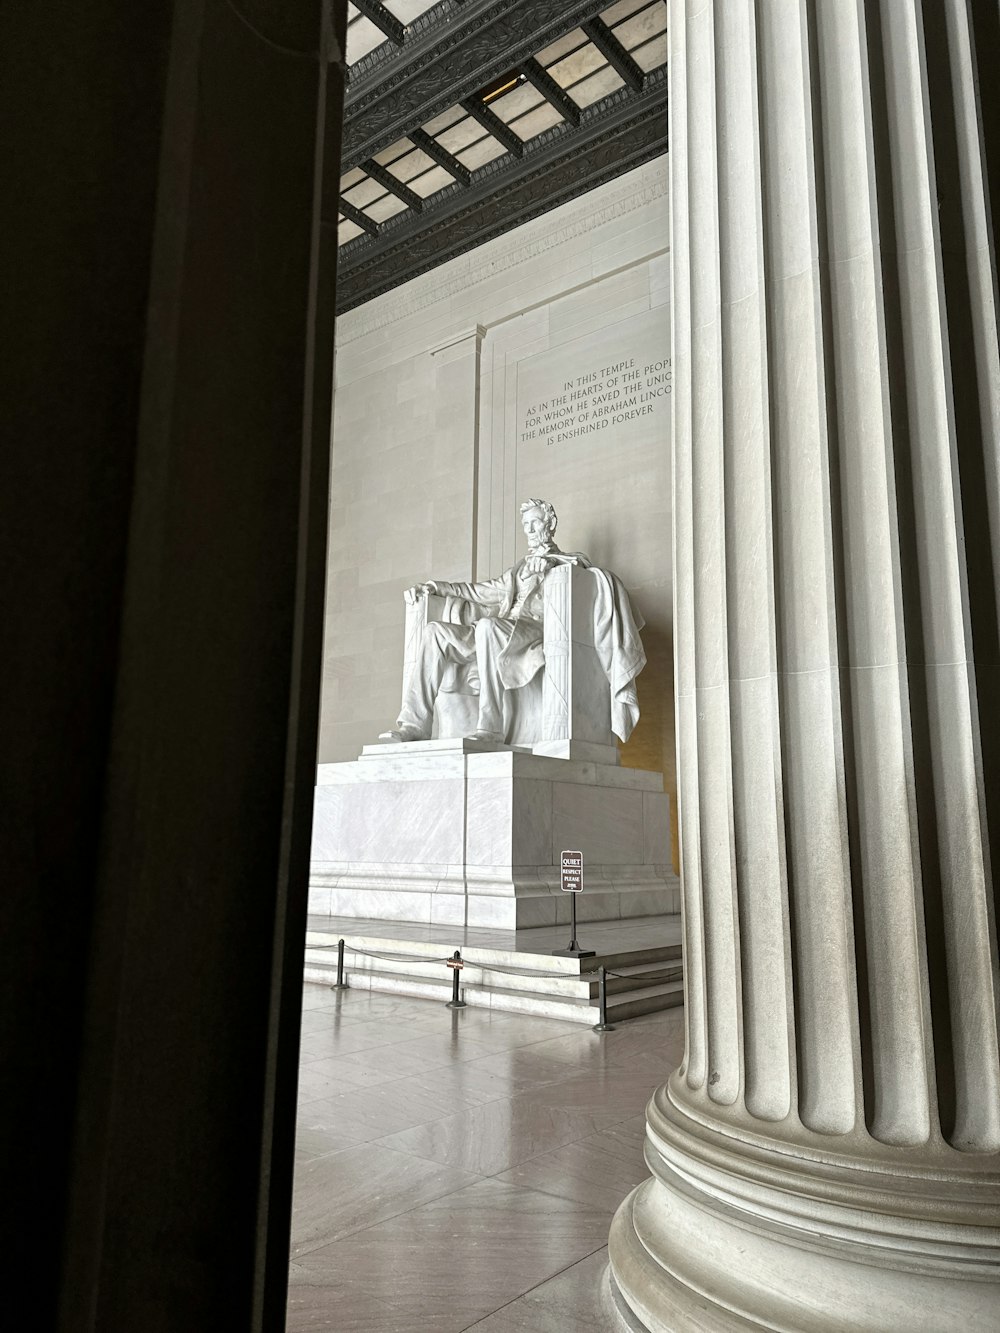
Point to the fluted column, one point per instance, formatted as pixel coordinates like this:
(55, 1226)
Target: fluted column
(826, 1157)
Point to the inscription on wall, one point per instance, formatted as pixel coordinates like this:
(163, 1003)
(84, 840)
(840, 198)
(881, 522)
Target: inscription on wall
(599, 402)
(607, 395)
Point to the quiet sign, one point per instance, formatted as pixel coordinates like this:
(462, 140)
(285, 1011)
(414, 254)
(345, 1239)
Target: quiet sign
(571, 872)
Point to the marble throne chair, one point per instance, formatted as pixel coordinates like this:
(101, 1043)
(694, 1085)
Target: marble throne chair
(565, 711)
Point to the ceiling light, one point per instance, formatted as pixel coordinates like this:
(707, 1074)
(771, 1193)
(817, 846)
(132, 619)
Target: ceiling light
(500, 86)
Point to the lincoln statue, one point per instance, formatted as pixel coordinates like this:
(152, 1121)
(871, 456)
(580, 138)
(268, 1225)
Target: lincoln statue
(504, 641)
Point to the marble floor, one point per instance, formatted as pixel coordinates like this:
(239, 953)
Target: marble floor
(459, 1169)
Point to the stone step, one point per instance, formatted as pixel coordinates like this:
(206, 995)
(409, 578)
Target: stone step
(507, 970)
(623, 959)
(618, 958)
(629, 1001)
(430, 950)
(645, 1000)
(573, 979)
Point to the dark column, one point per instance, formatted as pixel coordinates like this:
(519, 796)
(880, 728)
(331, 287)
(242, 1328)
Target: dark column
(169, 212)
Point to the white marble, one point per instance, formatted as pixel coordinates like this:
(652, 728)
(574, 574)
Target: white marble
(483, 848)
(452, 758)
(655, 828)
(425, 443)
(512, 970)
(610, 822)
(827, 1154)
(545, 655)
(408, 822)
(489, 830)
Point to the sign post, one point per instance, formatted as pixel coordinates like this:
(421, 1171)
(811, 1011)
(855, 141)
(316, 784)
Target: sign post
(571, 882)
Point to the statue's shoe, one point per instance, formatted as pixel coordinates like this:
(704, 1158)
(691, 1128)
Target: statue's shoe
(401, 734)
(494, 737)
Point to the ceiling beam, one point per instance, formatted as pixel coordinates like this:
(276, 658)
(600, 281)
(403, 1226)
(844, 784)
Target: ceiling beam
(440, 155)
(622, 131)
(614, 53)
(469, 46)
(356, 216)
(391, 90)
(389, 182)
(542, 80)
(386, 23)
(491, 121)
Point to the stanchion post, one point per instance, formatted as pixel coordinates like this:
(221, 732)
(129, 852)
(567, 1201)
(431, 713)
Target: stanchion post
(602, 1001)
(341, 983)
(456, 965)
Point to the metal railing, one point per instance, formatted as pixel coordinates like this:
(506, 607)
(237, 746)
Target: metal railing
(456, 963)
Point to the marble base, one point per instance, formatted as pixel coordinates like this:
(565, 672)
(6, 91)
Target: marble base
(462, 833)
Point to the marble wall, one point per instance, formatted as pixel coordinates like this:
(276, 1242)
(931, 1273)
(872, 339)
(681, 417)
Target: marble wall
(537, 364)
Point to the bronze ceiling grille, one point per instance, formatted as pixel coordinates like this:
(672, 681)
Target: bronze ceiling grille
(465, 118)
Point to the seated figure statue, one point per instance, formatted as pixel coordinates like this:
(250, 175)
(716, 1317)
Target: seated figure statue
(505, 642)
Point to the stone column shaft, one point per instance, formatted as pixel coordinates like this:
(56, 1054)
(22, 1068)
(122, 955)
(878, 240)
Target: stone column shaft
(837, 557)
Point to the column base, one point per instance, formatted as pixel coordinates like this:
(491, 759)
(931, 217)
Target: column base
(730, 1234)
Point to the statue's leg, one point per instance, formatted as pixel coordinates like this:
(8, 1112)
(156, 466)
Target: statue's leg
(441, 644)
(491, 639)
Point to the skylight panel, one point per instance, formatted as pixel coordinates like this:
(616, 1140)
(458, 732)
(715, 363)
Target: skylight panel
(362, 37)
(386, 207)
(536, 122)
(584, 61)
(482, 152)
(601, 84)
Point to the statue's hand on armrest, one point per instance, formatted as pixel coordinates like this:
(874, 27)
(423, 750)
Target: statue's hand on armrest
(541, 564)
(413, 595)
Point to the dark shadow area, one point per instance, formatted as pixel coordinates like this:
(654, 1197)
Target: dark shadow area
(167, 379)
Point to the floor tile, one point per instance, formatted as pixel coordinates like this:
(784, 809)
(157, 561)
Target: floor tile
(451, 1088)
(329, 1302)
(317, 997)
(608, 1094)
(547, 1061)
(597, 1172)
(418, 1054)
(459, 1169)
(319, 1140)
(366, 1114)
(337, 1195)
(574, 1301)
(498, 1135)
(330, 1075)
(449, 1263)
(654, 1048)
(500, 1031)
(346, 1036)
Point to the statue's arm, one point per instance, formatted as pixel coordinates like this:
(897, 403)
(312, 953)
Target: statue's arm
(540, 564)
(489, 593)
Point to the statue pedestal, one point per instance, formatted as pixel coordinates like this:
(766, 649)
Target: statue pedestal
(462, 833)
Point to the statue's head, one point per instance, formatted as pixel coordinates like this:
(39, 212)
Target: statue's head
(538, 518)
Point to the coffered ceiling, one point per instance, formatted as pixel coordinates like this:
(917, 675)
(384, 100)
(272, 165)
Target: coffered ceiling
(465, 118)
